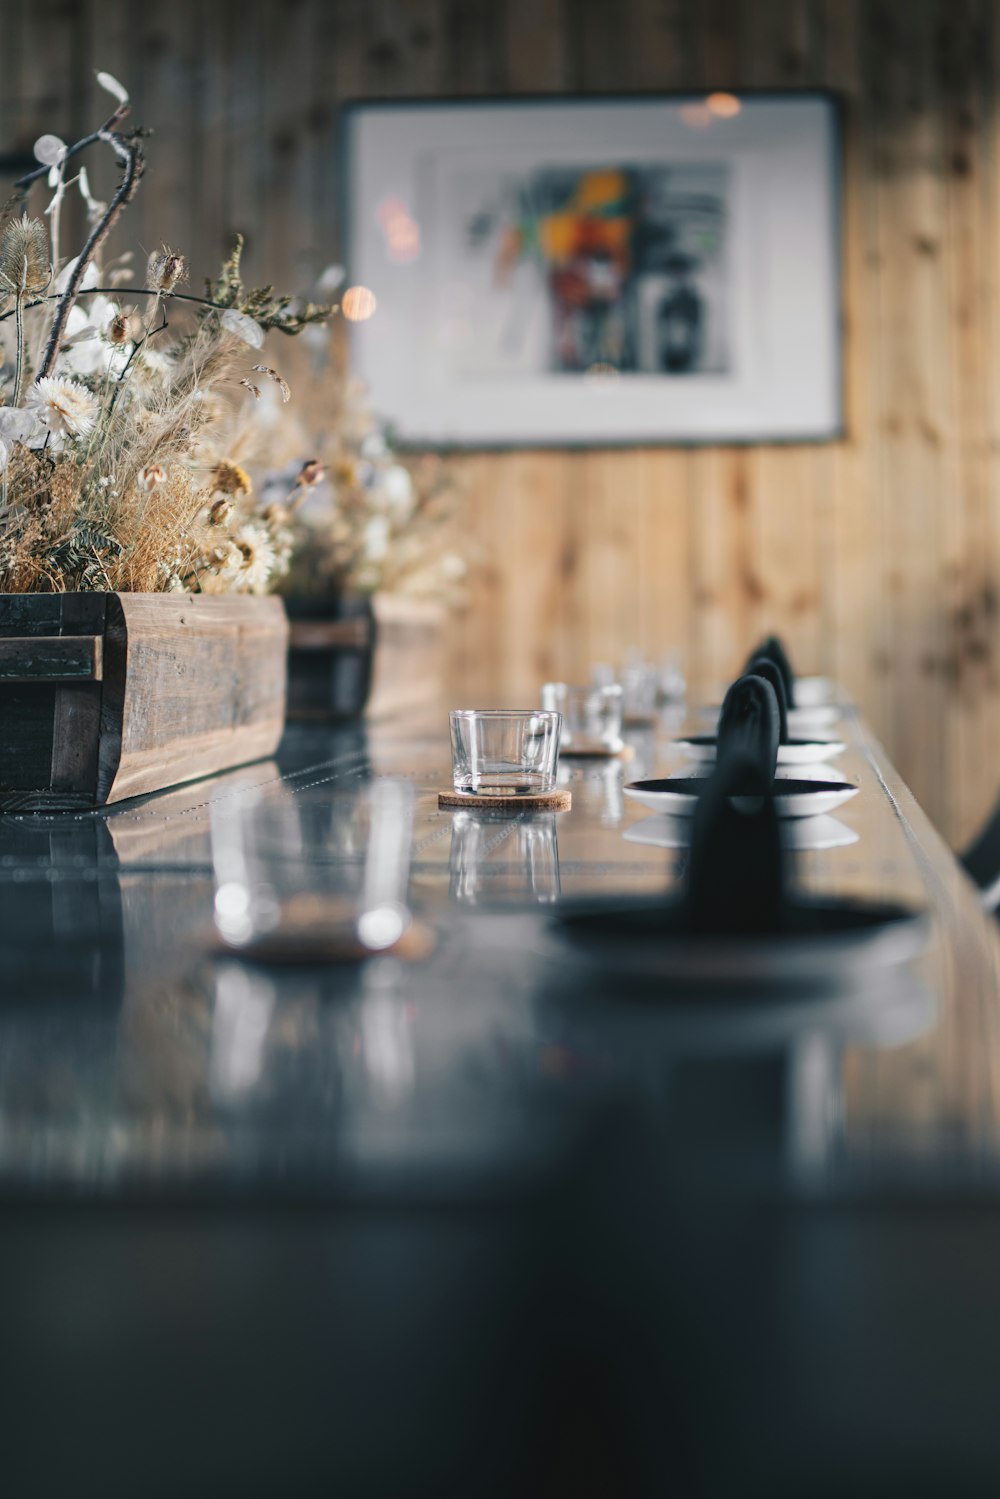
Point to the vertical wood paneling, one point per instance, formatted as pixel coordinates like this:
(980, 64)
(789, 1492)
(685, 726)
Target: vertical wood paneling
(878, 556)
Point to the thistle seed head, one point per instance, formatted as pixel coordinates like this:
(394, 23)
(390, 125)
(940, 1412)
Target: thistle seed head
(25, 269)
(166, 270)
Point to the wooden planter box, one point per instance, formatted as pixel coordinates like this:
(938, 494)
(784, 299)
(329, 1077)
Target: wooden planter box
(110, 695)
(353, 654)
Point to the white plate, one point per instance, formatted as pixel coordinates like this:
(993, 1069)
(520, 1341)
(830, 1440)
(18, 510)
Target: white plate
(792, 797)
(802, 722)
(815, 692)
(795, 752)
(817, 772)
(804, 834)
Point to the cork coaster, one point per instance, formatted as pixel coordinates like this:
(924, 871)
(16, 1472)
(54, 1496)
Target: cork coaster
(543, 801)
(627, 752)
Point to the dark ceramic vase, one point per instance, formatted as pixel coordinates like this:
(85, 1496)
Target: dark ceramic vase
(331, 653)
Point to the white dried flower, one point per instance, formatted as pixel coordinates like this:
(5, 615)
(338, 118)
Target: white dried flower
(376, 539)
(17, 425)
(66, 407)
(85, 351)
(241, 325)
(374, 446)
(157, 361)
(254, 545)
(91, 276)
(397, 487)
(453, 568)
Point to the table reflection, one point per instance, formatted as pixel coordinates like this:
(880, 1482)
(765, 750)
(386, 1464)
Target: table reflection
(495, 857)
(743, 1082)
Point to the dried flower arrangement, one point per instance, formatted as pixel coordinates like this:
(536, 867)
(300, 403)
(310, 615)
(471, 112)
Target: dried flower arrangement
(116, 470)
(362, 517)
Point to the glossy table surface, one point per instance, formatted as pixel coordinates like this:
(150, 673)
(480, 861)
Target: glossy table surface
(505, 1201)
(132, 1058)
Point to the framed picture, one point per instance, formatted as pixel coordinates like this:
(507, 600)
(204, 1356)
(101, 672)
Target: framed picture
(597, 271)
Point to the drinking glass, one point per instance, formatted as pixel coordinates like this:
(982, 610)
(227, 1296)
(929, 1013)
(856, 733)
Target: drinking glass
(504, 752)
(299, 874)
(640, 688)
(592, 716)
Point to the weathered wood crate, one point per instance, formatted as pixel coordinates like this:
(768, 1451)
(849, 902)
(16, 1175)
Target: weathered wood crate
(351, 654)
(104, 696)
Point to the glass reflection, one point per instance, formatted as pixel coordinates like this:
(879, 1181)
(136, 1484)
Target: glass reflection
(499, 858)
(386, 1038)
(244, 1004)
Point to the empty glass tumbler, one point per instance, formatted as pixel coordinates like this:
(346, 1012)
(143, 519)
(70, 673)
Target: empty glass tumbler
(592, 716)
(504, 751)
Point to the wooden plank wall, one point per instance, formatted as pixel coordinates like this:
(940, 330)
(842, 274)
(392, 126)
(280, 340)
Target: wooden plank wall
(879, 556)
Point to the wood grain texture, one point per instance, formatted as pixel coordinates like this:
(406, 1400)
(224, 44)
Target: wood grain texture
(201, 684)
(192, 686)
(877, 556)
(409, 656)
(52, 658)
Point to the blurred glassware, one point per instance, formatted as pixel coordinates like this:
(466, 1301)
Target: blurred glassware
(313, 874)
(591, 716)
(526, 863)
(504, 752)
(602, 674)
(640, 682)
(598, 787)
(673, 687)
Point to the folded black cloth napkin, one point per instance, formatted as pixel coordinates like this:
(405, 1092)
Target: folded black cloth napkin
(737, 870)
(770, 671)
(750, 725)
(771, 649)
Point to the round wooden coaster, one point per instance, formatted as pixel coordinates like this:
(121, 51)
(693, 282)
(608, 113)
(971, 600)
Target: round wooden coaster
(627, 752)
(306, 946)
(545, 801)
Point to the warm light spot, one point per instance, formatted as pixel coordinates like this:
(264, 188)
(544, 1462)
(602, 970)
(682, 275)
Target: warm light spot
(601, 371)
(401, 230)
(725, 106)
(697, 116)
(358, 304)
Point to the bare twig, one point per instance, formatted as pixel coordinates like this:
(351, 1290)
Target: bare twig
(23, 183)
(116, 291)
(129, 153)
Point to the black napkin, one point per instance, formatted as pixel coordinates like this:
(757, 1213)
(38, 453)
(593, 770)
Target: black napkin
(736, 875)
(750, 724)
(771, 649)
(770, 671)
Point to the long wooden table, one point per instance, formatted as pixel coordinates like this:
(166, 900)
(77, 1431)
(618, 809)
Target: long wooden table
(502, 1183)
